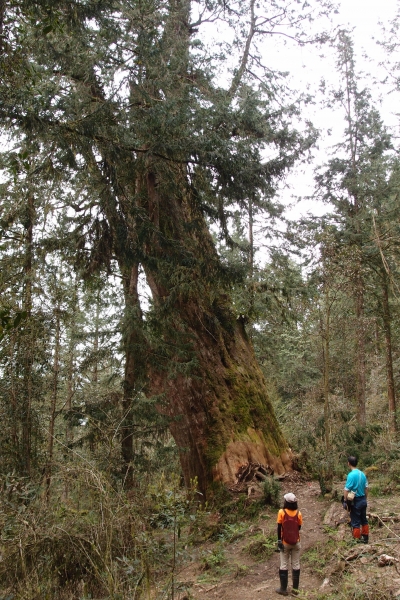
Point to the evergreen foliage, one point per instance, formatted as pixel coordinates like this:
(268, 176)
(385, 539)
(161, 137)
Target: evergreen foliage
(138, 195)
(135, 137)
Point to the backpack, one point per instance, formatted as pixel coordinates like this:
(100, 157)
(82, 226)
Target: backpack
(290, 527)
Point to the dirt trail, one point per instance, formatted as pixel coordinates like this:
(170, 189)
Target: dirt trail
(355, 569)
(254, 579)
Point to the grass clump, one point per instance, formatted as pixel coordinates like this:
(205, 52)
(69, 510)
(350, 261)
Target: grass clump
(354, 590)
(240, 570)
(262, 547)
(213, 559)
(241, 508)
(232, 532)
(320, 555)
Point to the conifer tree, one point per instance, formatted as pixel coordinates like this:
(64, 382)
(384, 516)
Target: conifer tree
(348, 183)
(124, 100)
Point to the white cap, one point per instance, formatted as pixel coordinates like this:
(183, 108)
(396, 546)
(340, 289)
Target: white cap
(290, 497)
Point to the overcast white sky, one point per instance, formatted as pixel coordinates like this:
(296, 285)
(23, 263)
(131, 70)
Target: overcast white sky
(307, 67)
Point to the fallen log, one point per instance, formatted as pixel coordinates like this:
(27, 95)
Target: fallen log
(383, 518)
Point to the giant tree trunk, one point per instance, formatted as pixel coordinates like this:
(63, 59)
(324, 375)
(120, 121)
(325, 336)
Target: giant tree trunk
(199, 360)
(214, 390)
(222, 417)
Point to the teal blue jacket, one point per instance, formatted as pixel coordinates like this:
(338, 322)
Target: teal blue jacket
(356, 482)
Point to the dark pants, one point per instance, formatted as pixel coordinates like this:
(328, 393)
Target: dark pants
(358, 511)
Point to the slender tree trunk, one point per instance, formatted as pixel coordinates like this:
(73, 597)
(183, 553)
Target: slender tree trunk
(53, 404)
(28, 340)
(360, 320)
(251, 264)
(13, 395)
(135, 349)
(251, 237)
(327, 467)
(360, 351)
(388, 352)
(2, 11)
(377, 341)
(327, 411)
(353, 125)
(95, 374)
(69, 433)
(70, 359)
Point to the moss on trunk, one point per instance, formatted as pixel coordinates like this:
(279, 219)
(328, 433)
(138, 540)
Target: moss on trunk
(221, 414)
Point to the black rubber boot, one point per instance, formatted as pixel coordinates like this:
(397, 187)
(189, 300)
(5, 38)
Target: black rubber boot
(283, 576)
(296, 581)
(364, 538)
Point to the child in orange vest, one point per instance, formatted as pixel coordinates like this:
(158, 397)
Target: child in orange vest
(289, 523)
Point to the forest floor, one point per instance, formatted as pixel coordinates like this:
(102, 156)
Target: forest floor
(243, 565)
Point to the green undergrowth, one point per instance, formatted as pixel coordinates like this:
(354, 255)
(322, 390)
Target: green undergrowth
(319, 556)
(214, 564)
(240, 508)
(261, 547)
(213, 559)
(353, 590)
(98, 541)
(231, 532)
(377, 450)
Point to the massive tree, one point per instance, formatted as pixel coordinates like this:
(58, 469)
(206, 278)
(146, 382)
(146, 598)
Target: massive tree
(123, 103)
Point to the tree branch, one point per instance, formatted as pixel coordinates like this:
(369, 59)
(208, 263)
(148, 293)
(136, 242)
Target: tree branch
(243, 64)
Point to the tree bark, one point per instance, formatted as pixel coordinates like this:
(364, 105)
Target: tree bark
(215, 393)
(53, 404)
(360, 350)
(388, 351)
(221, 417)
(28, 340)
(134, 378)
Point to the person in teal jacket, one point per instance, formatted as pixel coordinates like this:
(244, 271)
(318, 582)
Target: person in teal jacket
(357, 482)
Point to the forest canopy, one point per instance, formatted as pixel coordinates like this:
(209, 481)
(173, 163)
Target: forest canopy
(130, 142)
(159, 311)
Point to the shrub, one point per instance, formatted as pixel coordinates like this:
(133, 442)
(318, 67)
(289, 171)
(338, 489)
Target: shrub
(261, 548)
(271, 492)
(212, 559)
(99, 542)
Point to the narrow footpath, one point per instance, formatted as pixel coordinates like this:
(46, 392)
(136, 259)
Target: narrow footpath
(246, 577)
